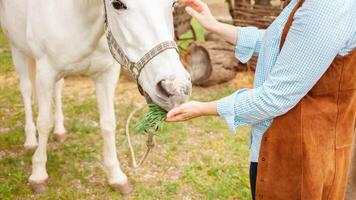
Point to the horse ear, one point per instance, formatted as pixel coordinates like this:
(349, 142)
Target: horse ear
(118, 5)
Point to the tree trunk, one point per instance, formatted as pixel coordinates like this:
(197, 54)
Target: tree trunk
(263, 2)
(211, 62)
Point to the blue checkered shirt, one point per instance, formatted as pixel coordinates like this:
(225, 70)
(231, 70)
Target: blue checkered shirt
(322, 29)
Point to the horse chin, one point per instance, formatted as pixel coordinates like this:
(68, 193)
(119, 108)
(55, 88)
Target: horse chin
(148, 98)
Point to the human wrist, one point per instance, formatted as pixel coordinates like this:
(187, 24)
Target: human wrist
(208, 108)
(214, 26)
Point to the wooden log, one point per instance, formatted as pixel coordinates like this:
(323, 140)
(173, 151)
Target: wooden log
(211, 62)
(210, 36)
(250, 66)
(263, 2)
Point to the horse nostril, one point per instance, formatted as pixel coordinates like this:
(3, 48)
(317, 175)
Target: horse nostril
(187, 90)
(175, 87)
(164, 87)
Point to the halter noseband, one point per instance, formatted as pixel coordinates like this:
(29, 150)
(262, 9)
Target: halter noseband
(134, 68)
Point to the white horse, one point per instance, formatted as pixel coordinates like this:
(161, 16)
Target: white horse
(67, 37)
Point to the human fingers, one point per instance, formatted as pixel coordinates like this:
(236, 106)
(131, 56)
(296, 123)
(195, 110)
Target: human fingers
(180, 117)
(192, 12)
(174, 112)
(197, 5)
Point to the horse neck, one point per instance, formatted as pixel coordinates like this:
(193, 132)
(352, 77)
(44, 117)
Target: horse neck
(89, 9)
(90, 14)
(88, 3)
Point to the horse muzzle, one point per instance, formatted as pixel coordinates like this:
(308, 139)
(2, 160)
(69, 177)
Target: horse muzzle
(170, 93)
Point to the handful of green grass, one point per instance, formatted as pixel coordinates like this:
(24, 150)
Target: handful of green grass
(152, 121)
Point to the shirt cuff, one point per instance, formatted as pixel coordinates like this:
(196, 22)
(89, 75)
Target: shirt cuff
(247, 42)
(226, 109)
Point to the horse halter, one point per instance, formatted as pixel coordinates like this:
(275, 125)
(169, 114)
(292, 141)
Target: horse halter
(134, 68)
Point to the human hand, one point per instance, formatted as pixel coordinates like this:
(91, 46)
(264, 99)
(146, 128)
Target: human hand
(201, 11)
(191, 110)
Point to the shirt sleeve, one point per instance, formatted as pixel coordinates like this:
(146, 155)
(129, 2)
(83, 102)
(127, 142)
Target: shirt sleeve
(313, 42)
(249, 40)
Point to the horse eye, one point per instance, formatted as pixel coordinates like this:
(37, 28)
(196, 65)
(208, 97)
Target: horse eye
(118, 5)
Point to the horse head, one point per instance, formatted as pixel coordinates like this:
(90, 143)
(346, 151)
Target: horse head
(143, 32)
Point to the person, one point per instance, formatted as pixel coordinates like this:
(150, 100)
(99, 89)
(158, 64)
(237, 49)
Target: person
(303, 105)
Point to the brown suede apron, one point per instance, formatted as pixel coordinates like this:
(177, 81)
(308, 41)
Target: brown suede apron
(306, 153)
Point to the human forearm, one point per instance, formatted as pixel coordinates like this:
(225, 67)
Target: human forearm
(208, 108)
(226, 31)
(191, 110)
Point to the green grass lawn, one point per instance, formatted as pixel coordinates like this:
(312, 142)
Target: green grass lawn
(5, 56)
(199, 159)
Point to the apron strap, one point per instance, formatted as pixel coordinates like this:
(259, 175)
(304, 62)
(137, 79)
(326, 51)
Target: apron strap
(289, 23)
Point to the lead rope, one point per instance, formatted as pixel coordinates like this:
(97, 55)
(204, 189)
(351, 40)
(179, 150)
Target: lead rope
(150, 141)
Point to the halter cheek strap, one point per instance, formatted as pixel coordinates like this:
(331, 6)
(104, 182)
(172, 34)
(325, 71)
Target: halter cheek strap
(134, 68)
